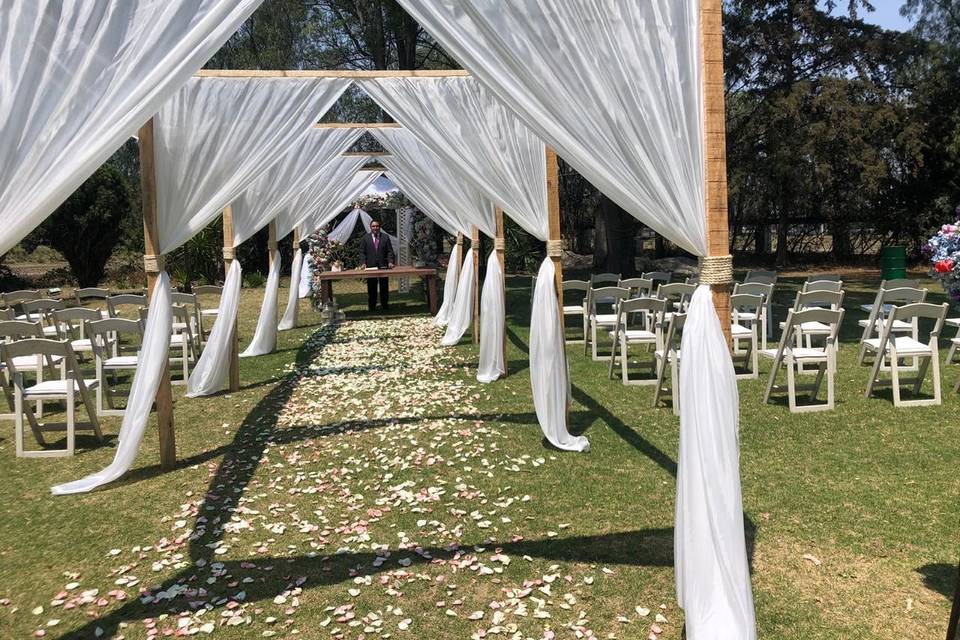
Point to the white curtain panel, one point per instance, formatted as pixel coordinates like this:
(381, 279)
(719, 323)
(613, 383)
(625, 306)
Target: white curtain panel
(305, 280)
(80, 78)
(143, 391)
(492, 315)
(265, 337)
(210, 374)
(289, 319)
(475, 134)
(450, 285)
(344, 229)
(216, 136)
(462, 314)
(616, 88)
(549, 378)
(300, 165)
(434, 185)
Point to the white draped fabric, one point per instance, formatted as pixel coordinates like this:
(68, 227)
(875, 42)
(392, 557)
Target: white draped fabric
(450, 285)
(462, 313)
(143, 391)
(289, 319)
(304, 280)
(616, 89)
(210, 373)
(344, 229)
(265, 337)
(216, 136)
(79, 78)
(463, 123)
(492, 315)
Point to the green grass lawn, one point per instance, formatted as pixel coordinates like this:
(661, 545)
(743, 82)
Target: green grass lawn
(363, 484)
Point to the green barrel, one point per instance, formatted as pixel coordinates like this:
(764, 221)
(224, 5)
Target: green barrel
(893, 263)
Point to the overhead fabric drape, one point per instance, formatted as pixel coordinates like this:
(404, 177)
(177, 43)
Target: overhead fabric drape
(492, 329)
(628, 115)
(259, 204)
(462, 313)
(265, 337)
(463, 123)
(80, 78)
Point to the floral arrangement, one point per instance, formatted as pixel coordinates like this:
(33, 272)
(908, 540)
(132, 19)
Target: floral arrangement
(943, 250)
(422, 243)
(321, 256)
(390, 200)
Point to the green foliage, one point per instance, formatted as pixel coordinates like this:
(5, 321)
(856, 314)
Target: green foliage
(522, 252)
(254, 280)
(200, 259)
(86, 227)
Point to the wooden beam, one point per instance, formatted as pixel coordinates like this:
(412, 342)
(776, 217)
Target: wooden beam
(358, 125)
(459, 256)
(554, 238)
(501, 258)
(153, 265)
(330, 73)
(715, 148)
(228, 258)
(475, 245)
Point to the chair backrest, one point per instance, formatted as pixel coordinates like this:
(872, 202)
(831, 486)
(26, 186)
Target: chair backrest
(677, 291)
(604, 279)
(823, 285)
(746, 302)
(764, 289)
(70, 322)
(182, 314)
(658, 277)
(16, 297)
(578, 290)
(902, 296)
(101, 332)
(7, 313)
(638, 286)
(43, 306)
(208, 290)
(47, 349)
(631, 307)
(605, 295)
(900, 283)
(115, 302)
(834, 277)
(20, 329)
(818, 298)
(90, 293)
(761, 276)
(179, 297)
(907, 312)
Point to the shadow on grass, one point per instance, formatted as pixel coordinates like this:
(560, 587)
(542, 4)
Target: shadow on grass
(940, 577)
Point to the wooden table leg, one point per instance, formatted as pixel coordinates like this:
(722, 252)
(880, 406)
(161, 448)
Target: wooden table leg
(326, 291)
(432, 294)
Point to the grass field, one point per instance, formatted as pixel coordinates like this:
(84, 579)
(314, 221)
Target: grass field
(363, 484)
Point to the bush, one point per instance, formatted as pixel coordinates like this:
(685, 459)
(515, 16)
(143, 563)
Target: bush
(86, 227)
(254, 280)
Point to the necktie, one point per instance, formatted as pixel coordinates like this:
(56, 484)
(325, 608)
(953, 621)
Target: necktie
(376, 243)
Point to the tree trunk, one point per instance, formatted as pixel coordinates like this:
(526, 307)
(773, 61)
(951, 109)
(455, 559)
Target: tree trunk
(783, 252)
(615, 247)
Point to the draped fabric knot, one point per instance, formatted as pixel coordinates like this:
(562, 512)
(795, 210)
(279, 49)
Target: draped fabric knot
(153, 264)
(554, 248)
(715, 270)
(499, 244)
(229, 253)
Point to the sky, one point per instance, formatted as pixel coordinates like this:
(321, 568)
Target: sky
(887, 14)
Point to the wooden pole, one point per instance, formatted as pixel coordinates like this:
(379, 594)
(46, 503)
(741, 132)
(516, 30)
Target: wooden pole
(228, 258)
(715, 148)
(500, 248)
(554, 240)
(153, 264)
(475, 245)
(459, 255)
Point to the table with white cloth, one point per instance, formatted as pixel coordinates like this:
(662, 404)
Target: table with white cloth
(327, 279)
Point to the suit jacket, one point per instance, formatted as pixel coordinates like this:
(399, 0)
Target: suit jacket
(383, 256)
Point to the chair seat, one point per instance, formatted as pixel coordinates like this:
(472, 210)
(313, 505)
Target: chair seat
(740, 331)
(177, 340)
(209, 312)
(121, 362)
(29, 363)
(50, 332)
(604, 318)
(29, 317)
(906, 346)
(898, 325)
(953, 322)
(749, 316)
(83, 344)
(53, 388)
(811, 327)
(638, 335)
(572, 309)
(659, 353)
(800, 354)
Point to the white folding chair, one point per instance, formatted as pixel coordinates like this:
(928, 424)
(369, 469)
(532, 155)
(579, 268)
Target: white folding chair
(760, 276)
(598, 280)
(182, 341)
(765, 317)
(628, 331)
(575, 303)
(677, 295)
(71, 325)
(749, 305)
(822, 285)
(41, 310)
(657, 277)
(39, 366)
(890, 347)
(210, 311)
(954, 341)
(190, 301)
(67, 389)
(793, 356)
(117, 305)
(597, 298)
(885, 300)
(815, 299)
(102, 333)
(669, 354)
(639, 287)
(14, 300)
(94, 295)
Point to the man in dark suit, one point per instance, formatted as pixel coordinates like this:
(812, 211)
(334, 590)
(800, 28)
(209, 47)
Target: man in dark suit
(378, 252)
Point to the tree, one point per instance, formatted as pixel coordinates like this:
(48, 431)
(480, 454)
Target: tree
(86, 227)
(614, 242)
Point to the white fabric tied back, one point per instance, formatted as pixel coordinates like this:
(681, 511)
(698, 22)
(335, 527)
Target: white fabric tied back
(289, 319)
(462, 313)
(492, 314)
(633, 124)
(80, 78)
(342, 232)
(464, 124)
(265, 337)
(450, 286)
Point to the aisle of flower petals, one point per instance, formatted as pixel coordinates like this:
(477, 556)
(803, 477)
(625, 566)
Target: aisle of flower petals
(369, 497)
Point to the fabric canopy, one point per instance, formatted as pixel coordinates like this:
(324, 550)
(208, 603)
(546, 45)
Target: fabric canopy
(79, 78)
(616, 89)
